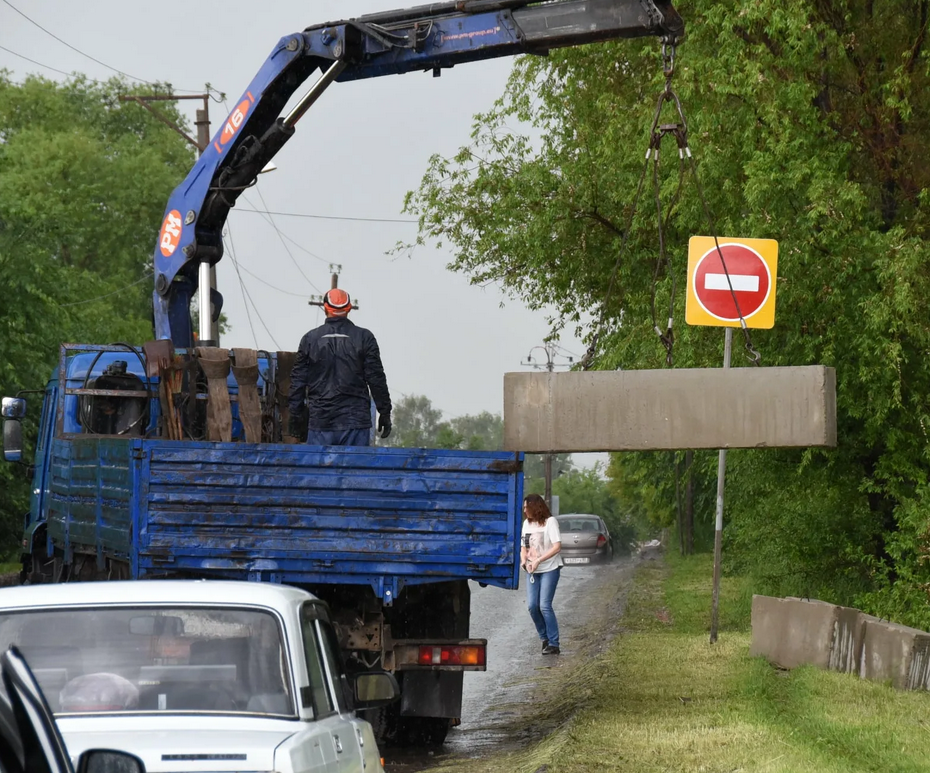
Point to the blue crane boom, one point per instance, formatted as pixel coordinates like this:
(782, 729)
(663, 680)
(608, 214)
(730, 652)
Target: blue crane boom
(429, 37)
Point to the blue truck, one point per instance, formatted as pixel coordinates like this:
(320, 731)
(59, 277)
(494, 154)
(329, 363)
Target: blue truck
(172, 459)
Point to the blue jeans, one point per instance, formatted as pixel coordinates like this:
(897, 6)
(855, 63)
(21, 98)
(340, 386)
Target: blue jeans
(339, 437)
(539, 595)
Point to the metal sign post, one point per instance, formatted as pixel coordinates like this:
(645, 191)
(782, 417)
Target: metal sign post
(718, 529)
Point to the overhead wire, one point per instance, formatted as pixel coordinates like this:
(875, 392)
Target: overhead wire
(246, 294)
(37, 63)
(82, 53)
(107, 295)
(286, 248)
(334, 217)
(232, 257)
(268, 284)
(268, 220)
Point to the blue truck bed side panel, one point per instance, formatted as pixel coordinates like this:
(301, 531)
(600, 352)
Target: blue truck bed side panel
(303, 514)
(90, 495)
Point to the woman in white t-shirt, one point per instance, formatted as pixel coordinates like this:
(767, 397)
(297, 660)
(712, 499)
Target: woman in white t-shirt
(539, 556)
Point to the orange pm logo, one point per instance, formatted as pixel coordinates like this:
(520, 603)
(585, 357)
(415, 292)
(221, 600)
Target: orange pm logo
(235, 120)
(170, 233)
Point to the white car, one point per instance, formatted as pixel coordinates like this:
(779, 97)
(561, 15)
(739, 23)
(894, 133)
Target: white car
(196, 675)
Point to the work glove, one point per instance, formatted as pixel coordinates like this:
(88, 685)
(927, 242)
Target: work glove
(297, 425)
(384, 425)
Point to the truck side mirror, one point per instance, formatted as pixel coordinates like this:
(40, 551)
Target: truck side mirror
(107, 761)
(12, 440)
(13, 409)
(374, 689)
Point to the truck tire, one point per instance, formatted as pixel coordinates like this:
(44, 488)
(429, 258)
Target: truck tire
(393, 730)
(424, 731)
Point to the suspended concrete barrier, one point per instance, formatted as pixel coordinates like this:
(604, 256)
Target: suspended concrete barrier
(642, 410)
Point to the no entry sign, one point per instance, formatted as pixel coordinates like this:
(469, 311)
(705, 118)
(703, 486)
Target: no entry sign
(743, 282)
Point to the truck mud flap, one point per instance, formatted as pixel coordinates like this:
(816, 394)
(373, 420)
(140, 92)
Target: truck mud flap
(431, 694)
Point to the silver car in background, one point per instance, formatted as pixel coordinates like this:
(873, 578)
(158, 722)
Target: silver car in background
(585, 539)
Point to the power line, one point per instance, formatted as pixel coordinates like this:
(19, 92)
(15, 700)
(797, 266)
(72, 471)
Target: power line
(107, 295)
(268, 220)
(268, 284)
(289, 253)
(232, 257)
(33, 61)
(332, 217)
(246, 294)
(77, 50)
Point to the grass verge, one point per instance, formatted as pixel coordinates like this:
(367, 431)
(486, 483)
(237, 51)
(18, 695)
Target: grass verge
(662, 698)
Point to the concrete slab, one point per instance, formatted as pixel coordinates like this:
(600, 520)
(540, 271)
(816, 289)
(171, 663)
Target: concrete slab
(895, 653)
(792, 632)
(641, 410)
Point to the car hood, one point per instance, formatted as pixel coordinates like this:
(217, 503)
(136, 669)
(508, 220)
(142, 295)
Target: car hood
(183, 742)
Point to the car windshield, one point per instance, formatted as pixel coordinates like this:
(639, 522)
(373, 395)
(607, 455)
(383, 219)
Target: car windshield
(145, 659)
(579, 524)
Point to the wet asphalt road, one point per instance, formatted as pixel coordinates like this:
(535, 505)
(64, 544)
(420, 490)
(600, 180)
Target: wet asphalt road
(588, 603)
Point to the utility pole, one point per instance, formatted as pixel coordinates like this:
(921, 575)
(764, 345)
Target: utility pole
(317, 300)
(551, 351)
(203, 115)
(202, 122)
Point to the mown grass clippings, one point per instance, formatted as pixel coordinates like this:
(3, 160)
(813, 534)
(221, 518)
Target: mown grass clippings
(662, 698)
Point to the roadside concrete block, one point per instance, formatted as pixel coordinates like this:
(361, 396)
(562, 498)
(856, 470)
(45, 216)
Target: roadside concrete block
(791, 632)
(848, 633)
(895, 653)
(636, 410)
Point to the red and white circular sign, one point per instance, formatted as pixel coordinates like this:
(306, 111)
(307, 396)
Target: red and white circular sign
(749, 277)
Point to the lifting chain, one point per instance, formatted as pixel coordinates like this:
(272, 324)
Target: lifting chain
(658, 131)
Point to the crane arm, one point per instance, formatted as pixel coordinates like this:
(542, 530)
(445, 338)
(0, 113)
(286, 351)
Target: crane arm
(430, 37)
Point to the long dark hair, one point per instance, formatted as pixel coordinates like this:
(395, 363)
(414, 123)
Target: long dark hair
(536, 509)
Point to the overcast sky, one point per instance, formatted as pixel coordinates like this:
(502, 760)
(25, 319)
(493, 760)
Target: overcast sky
(355, 155)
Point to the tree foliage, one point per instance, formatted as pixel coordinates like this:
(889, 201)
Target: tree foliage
(809, 125)
(417, 424)
(83, 184)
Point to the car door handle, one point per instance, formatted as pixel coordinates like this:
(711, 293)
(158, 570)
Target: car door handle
(338, 744)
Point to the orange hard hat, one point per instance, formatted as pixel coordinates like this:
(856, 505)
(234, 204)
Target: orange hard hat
(336, 303)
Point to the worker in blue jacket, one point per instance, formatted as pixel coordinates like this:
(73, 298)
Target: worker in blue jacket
(336, 375)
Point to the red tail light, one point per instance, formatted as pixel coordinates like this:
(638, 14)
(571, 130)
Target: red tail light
(601, 540)
(470, 655)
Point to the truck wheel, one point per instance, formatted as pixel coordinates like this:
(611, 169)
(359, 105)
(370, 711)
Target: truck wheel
(424, 731)
(384, 724)
(391, 729)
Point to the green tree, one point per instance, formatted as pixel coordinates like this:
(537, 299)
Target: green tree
(84, 181)
(481, 432)
(652, 488)
(416, 423)
(809, 123)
